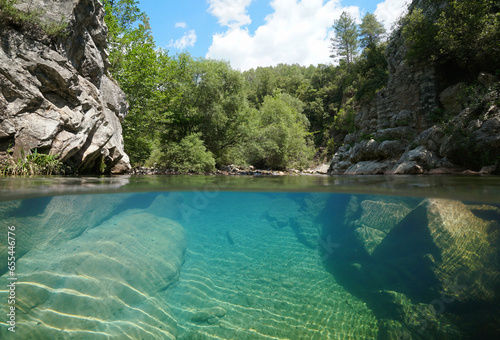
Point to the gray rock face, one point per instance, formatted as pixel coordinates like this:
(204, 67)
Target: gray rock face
(411, 112)
(56, 96)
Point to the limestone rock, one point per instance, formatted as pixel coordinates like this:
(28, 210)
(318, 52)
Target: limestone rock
(376, 218)
(451, 98)
(57, 219)
(412, 320)
(390, 149)
(103, 284)
(369, 168)
(416, 160)
(364, 151)
(397, 133)
(468, 241)
(424, 105)
(56, 96)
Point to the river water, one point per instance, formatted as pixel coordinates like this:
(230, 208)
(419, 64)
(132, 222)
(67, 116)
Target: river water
(206, 257)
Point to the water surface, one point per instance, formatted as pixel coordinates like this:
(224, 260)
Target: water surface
(252, 258)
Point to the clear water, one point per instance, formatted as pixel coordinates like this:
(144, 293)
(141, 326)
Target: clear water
(250, 261)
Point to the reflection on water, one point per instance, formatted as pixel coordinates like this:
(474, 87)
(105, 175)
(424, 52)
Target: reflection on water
(252, 265)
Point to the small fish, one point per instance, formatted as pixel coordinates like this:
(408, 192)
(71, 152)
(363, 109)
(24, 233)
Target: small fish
(229, 238)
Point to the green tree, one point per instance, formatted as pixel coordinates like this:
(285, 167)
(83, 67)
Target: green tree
(345, 43)
(187, 155)
(464, 33)
(136, 65)
(211, 103)
(278, 134)
(371, 30)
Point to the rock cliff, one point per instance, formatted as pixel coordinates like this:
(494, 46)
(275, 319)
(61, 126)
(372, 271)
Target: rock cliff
(426, 120)
(55, 93)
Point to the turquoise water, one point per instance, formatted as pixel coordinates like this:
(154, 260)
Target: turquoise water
(208, 263)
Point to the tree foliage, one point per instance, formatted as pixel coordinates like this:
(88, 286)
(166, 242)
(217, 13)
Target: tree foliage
(279, 137)
(462, 32)
(371, 31)
(193, 114)
(345, 43)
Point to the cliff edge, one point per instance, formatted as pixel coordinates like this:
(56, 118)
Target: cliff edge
(431, 117)
(55, 93)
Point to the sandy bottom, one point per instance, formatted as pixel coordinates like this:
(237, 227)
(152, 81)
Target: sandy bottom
(270, 285)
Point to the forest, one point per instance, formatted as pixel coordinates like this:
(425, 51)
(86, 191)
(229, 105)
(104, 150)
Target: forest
(196, 115)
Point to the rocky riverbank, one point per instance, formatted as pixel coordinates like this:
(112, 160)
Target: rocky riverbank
(231, 170)
(57, 96)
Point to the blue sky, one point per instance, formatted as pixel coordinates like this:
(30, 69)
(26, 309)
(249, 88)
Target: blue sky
(252, 33)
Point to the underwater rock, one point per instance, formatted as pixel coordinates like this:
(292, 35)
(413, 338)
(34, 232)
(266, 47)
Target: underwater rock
(406, 320)
(309, 220)
(105, 283)
(376, 219)
(468, 267)
(441, 254)
(57, 219)
(209, 315)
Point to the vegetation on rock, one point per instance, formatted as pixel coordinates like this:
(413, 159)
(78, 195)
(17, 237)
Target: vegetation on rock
(30, 20)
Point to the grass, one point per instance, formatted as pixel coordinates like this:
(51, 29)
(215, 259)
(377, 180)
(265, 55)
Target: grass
(30, 21)
(32, 164)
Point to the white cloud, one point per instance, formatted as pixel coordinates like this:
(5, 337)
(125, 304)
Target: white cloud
(389, 11)
(230, 13)
(296, 32)
(187, 40)
(180, 25)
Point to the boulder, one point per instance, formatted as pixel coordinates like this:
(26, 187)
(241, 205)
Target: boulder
(432, 138)
(486, 79)
(376, 218)
(451, 98)
(369, 168)
(419, 156)
(390, 149)
(56, 95)
(406, 168)
(105, 283)
(365, 150)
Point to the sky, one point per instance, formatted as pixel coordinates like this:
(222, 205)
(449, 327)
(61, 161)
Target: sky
(253, 33)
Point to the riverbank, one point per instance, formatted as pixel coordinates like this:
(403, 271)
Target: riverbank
(321, 170)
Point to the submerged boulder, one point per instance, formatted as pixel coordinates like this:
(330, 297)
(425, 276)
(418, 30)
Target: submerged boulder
(440, 257)
(103, 284)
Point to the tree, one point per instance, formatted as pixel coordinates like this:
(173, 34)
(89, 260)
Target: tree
(461, 33)
(371, 30)
(211, 102)
(135, 63)
(279, 134)
(345, 42)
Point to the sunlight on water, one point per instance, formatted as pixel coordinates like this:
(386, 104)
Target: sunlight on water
(250, 265)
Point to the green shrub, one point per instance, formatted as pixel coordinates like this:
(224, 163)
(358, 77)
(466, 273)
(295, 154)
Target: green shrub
(188, 156)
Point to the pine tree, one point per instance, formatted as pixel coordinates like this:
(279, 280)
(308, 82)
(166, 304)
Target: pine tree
(345, 43)
(371, 30)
